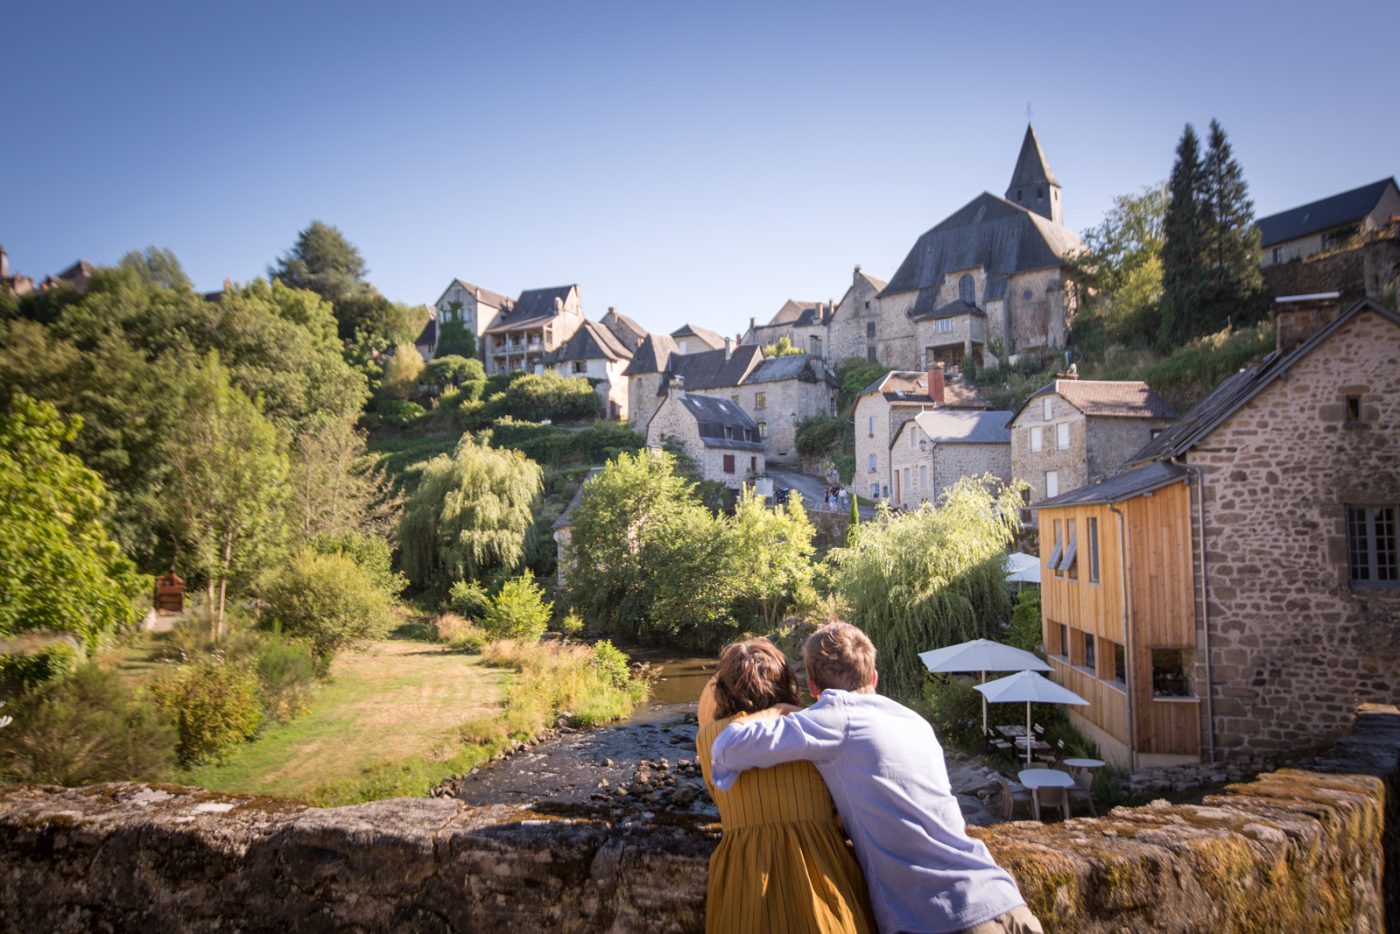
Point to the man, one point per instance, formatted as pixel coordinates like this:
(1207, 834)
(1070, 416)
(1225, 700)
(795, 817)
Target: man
(886, 773)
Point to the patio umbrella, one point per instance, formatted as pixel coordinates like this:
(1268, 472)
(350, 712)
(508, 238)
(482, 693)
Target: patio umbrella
(1031, 688)
(1022, 568)
(982, 655)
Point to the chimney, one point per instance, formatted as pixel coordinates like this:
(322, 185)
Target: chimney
(857, 272)
(935, 383)
(611, 311)
(558, 304)
(675, 383)
(728, 347)
(4, 264)
(1299, 317)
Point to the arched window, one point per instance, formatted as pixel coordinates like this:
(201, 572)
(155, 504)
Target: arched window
(967, 289)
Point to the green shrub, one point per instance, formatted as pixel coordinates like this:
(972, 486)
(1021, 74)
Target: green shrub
(24, 668)
(371, 553)
(955, 709)
(215, 704)
(286, 673)
(821, 434)
(329, 600)
(469, 599)
(85, 728)
(1025, 632)
(454, 371)
(536, 397)
(400, 413)
(518, 611)
(612, 664)
(571, 624)
(464, 635)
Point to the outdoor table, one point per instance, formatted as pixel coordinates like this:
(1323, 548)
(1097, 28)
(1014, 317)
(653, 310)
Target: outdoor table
(1011, 731)
(1036, 779)
(1084, 763)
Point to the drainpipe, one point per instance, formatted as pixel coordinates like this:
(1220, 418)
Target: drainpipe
(1205, 601)
(1127, 639)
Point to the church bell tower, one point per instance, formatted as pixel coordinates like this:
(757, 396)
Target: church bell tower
(1033, 185)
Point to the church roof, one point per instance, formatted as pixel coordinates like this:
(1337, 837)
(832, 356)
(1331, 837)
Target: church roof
(951, 310)
(989, 232)
(1317, 216)
(1031, 167)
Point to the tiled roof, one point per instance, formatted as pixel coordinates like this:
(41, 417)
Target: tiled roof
(591, 341)
(494, 299)
(963, 426)
(988, 232)
(1324, 214)
(1134, 482)
(798, 313)
(722, 423)
(539, 303)
(652, 355)
(878, 284)
(514, 323)
(705, 335)
(710, 370)
(912, 386)
(1231, 395)
(629, 332)
(1118, 398)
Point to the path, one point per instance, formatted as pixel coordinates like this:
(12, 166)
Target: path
(813, 490)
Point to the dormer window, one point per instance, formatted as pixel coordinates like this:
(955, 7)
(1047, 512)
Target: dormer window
(967, 289)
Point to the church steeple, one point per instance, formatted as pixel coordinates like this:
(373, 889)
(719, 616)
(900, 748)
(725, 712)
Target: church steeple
(1033, 185)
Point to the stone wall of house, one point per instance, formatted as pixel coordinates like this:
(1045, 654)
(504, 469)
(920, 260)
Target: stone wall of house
(642, 400)
(952, 462)
(846, 332)
(1110, 442)
(782, 400)
(1295, 850)
(1293, 644)
(895, 345)
(673, 420)
(1070, 465)
(964, 330)
(1369, 269)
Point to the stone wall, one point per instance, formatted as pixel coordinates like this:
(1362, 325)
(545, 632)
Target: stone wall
(1109, 442)
(1071, 465)
(1365, 270)
(1293, 644)
(1295, 850)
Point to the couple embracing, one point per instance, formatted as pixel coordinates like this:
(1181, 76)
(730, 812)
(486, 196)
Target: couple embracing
(791, 784)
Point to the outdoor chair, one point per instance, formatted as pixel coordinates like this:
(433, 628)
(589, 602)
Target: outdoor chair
(1013, 793)
(1083, 789)
(1057, 798)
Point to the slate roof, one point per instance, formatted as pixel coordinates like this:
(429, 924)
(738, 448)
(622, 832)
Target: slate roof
(1115, 489)
(798, 313)
(652, 355)
(537, 303)
(951, 310)
(879, 284)
(1031, 167)
(515, 323)
(964, 426)
(429, 335)
(912, 386)
(798, 366)
(705, 335)
(495, 299)
(710, 370)
(629, 332)
(990, 232)
(1324, 214)
(1118, 398)
(591, 341)
(1236, 391)
(722, 424)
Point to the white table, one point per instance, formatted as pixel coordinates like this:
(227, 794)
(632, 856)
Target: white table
(1035, 779)
(1084, 763)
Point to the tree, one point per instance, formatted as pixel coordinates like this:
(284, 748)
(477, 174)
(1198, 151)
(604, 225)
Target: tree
(159, 267)
(324, 262)
(451, 371)
(227, 490)
(327, 599)
(454, 338)
(930, 577)
(782, 347)
(337, 487)
(1231, 239)
(1119, 274)
(402, 371)
(517, 611)
(1183, 245)
(469, 515)
(773, 553)
(59, 570)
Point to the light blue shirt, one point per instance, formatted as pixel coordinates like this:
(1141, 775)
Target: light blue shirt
(886, 773)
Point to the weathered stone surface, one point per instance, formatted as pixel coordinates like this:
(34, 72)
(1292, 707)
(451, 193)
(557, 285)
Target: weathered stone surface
(1295, 850)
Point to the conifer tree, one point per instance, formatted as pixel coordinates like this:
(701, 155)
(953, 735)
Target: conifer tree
(1183, 243)
(1233, 281)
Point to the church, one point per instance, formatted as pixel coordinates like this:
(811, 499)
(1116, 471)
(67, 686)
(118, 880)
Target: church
(986, 283)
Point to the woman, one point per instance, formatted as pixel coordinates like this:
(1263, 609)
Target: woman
(783, 863)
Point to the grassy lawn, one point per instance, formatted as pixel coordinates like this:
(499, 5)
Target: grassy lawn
(385, 724)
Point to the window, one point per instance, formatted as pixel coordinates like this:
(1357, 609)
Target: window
(1169, 673)
(967, 289)
(906, 483)
(886, 491)
(1040, 194)
(760, 400)
(1152, 435)
(874, 489)
(1093, 531)
(729, 463)
(753, 464)
(870, 330)
(1353, 410)
(1062, 436)
(1064, 640)
(1037, 439)
(923, 477)
(944, 326)
(763, 429)
(1372, 550)
(872, 469)
(1052, 484)
(580, 366)
(1026, 295)
(1018, 194)
(734, 399)
(867, 305)
(1058, 552)
(870, 354)
(913, 437)
(1068, 564)
(1047, 409)
(1120, 664)
(872, 426)
(1278, 254)
(1087, 657)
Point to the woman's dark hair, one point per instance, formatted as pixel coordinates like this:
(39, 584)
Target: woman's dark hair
(753, 675)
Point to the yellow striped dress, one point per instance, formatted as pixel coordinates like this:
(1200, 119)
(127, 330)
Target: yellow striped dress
(783, 863)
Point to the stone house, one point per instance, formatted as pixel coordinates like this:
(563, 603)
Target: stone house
(1327, 223)
(476, 308)
(714, 432)
(854, 327)
(1258, 545)
(882, 408)
(594, 353)
(536, 324)
(1073, 431)
(803, 323)
(563, 531)
(692, 338)
(935, 449)
(628, 332)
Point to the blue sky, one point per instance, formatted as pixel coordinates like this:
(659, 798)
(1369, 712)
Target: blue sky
(698, 162)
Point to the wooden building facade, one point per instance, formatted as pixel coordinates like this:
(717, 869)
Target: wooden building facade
(1118, 613)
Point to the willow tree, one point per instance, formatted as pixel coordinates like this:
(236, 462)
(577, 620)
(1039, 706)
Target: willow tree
(931, 577)
(469, 515)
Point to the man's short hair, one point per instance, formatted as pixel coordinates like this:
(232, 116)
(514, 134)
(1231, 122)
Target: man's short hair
(839, 655)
